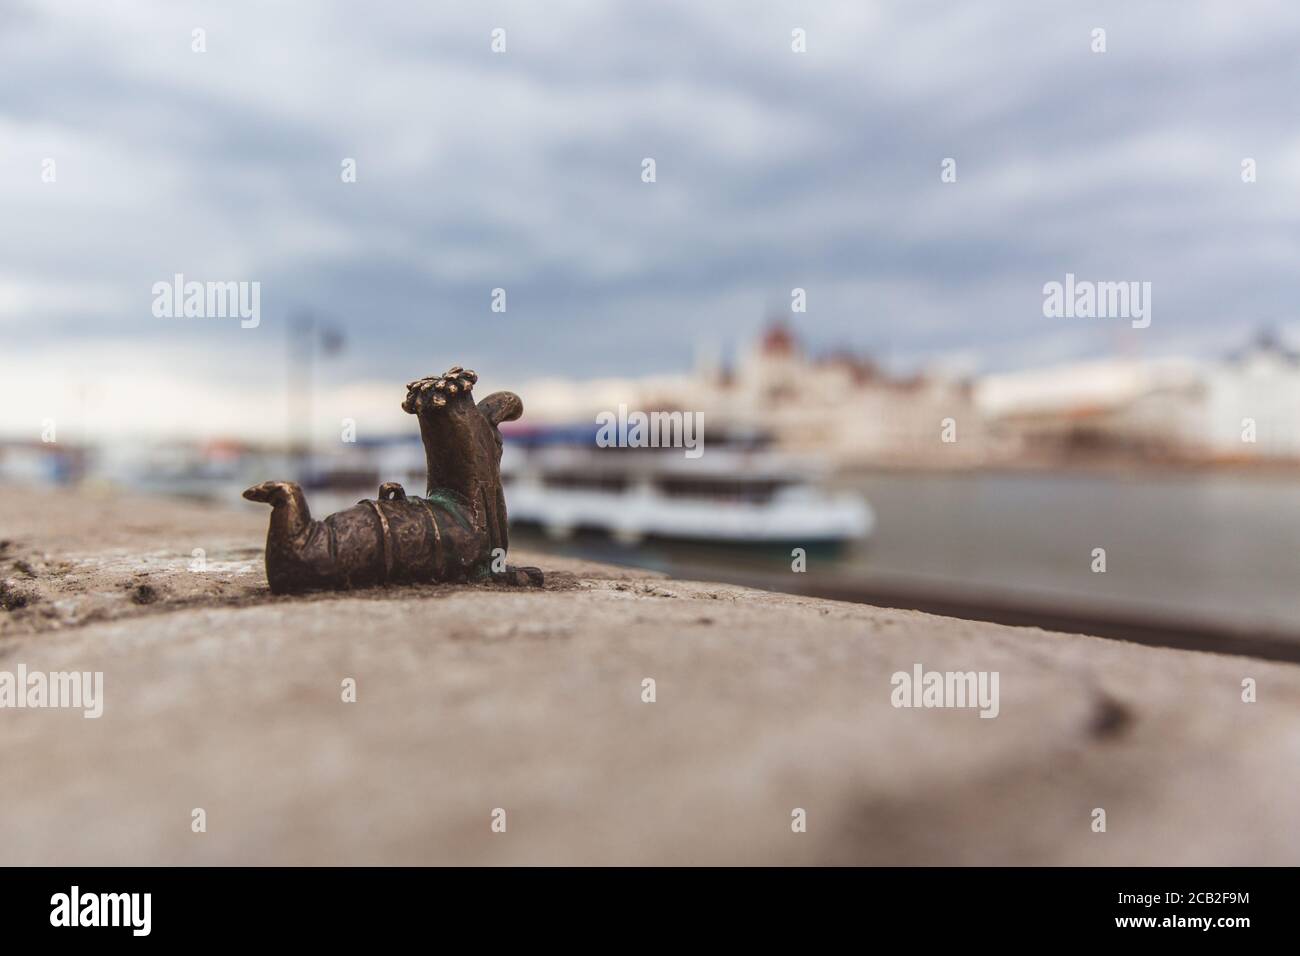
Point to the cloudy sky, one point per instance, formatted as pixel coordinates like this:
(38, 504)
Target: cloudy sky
(522, 170)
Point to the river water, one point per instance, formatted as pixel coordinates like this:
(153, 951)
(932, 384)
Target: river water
(1223, 546)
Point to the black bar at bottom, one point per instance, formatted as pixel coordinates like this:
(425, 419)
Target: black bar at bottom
(333, 906)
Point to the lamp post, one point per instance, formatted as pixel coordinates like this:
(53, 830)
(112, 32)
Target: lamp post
(306, 335)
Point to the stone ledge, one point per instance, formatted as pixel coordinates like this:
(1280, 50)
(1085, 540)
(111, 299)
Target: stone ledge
(472, 698)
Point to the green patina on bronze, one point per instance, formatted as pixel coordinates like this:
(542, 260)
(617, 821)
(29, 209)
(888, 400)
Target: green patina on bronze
(452, 505)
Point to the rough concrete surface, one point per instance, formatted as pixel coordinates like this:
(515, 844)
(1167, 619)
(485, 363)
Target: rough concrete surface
(219, 696)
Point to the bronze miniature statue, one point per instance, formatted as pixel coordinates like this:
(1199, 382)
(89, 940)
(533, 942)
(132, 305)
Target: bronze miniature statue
(457, 532)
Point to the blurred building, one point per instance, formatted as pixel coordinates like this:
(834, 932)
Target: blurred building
(842, 406)
(1102, 408)
(1251, 403)
(1238, 409)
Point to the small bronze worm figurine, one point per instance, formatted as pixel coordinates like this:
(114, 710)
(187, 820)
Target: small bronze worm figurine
(457, 532)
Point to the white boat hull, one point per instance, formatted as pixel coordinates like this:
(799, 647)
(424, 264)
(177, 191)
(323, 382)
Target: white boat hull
(631, 517)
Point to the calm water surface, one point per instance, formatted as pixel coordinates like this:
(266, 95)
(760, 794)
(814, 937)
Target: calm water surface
(1222, 545)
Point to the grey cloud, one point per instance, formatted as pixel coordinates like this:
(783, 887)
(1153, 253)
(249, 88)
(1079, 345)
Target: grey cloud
(775, 170)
